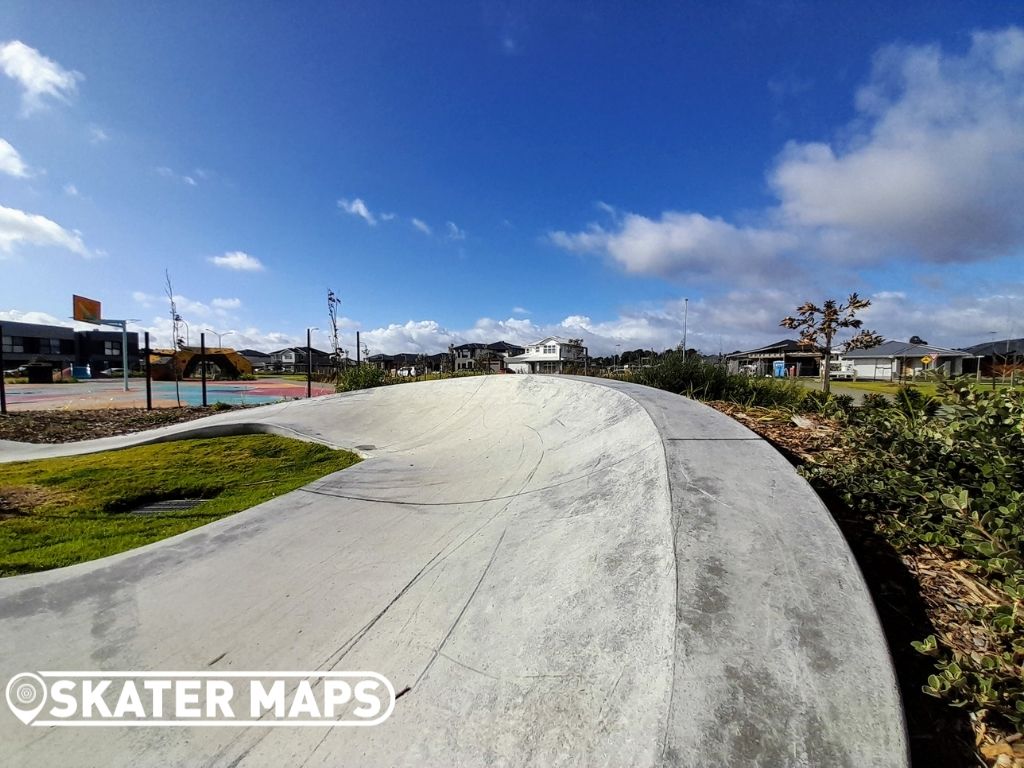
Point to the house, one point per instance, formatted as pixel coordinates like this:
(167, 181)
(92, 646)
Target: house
(258, 360)
(475, 355)
(893, 360)
(293, 360)
(550, 355)
(996, 358)
(805, 359)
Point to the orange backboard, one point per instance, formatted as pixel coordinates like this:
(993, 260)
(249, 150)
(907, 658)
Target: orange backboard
(86, 310)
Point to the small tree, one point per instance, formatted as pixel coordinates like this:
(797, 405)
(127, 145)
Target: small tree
(819, 325)
(332, 311)
(175, 334)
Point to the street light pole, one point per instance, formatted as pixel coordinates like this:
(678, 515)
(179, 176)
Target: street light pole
(686, 308)
(309, 361)
(219, 336)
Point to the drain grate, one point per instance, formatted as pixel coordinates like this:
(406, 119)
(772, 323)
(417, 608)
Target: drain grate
(167, 505)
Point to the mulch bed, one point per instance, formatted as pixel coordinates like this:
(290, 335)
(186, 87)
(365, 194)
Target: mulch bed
(70, 426)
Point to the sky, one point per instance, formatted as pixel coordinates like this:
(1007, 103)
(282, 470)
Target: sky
(480, 171)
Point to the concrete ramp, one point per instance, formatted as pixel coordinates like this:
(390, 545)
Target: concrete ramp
(560, 571)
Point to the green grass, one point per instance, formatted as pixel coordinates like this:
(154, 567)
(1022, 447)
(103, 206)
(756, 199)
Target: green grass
(57, 512)
(929, 388)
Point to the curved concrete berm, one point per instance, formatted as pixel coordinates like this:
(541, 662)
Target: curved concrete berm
(562, 571)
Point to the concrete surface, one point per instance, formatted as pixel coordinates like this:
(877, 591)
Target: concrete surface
(562, 571)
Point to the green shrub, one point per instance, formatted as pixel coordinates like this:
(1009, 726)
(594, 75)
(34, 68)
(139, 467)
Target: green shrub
(946, 474)
(363, 377)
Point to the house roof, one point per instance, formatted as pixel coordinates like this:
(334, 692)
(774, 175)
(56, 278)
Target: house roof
(252, 353)
(503, 346)
(785, 345)
(300, 350)
(471, 345)
(998, 348)
(903, 349)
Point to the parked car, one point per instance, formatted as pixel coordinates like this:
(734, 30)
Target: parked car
(113, 373)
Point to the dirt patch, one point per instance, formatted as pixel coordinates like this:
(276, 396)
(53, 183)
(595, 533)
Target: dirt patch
(18, 500)
(71, 426)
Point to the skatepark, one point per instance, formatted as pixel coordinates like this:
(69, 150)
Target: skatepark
(553, 570)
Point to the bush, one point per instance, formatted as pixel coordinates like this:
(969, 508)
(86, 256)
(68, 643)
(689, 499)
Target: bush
(363, 377)
(945, 475)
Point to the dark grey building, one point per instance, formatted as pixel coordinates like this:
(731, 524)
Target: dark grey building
(59, 347)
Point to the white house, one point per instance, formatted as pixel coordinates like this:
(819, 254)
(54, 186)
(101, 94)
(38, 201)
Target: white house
(550, 355)
(902, 360)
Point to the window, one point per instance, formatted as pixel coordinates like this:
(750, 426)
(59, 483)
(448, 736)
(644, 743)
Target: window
(15, 344)
(111, 348)
(550, 349)
(49, 346)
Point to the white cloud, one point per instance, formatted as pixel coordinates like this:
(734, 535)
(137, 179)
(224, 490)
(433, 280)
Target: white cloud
(97, 135)
(11, 162)
(70, 190)
(170, 173)
(227, 303)
(932, 168)
(935, 163)
(387, 216)
(20, 228)
(679, 244)
(454, 233)
(520, 311)
(38, 76)
(237, 260)
(358, 208)
(421, 226)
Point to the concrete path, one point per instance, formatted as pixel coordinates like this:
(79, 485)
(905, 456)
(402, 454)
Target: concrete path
(561, 571)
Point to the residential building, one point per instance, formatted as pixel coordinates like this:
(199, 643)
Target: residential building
(895, 360)
(550, 355)
(293, 360)
(258, 360)
(475, 356)
(797, 359)
(1003, 357)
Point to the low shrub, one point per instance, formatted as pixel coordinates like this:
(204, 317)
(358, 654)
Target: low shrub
(363, 377)
(945, 476)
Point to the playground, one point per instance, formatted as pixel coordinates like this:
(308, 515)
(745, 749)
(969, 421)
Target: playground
(109, 393)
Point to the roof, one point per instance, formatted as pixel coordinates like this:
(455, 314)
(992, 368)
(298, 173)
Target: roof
(12, 328)
(503, 346)
(903, 349)
(299, 350)
(785, 345)
(555, 339)
(998, 348)
(252, 353)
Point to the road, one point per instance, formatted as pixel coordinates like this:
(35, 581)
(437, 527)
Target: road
(560, 571)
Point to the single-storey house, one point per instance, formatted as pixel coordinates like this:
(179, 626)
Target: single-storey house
(798, 359)
(258, 360)
(475, 355)
(996, 358)
(550, 355)
(893, 360)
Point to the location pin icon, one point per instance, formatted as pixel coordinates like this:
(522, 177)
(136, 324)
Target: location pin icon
(26, 695)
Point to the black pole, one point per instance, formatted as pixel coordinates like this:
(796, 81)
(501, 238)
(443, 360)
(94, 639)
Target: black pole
(3, 384)
(149, 381)
(358, 350)
(309, 363)
(202, 362)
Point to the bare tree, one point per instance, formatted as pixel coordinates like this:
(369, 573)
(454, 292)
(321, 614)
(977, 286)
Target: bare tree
(332, 310)
(175, 333)
(819, 325)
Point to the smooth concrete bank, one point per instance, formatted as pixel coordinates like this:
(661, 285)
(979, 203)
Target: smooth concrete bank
(560, 571)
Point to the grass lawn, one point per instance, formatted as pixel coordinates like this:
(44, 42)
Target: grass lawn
(57, 512)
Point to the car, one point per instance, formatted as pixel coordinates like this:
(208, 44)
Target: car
(113, 372)
(20, 370)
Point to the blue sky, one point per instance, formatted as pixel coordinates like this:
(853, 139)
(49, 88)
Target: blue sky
(476, 171)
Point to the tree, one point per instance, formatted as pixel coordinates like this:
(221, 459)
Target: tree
(332, 310)
(819, 325)
(175, 335)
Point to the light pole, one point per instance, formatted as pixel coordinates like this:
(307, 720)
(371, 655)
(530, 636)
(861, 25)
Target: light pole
(180, 319)
(617, 355)
(219, 335)
(309, 361)
(686, 308)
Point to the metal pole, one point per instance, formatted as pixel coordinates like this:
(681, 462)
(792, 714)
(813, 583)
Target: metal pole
(3, 384)
(124, 351)
(686, 308)
(358, 350)
(309, 363)
(149, 381)
(202, 363)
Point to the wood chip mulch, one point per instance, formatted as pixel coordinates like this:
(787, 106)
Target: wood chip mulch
(70, 426)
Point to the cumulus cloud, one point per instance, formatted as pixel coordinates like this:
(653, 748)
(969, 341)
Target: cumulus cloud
(679, 244)
(11, 162)
(227, 303)
(937, 164)
(358, 208)
(19, 228)
(237, 260)
(39, 77)
(421, 225)
(931, 169)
